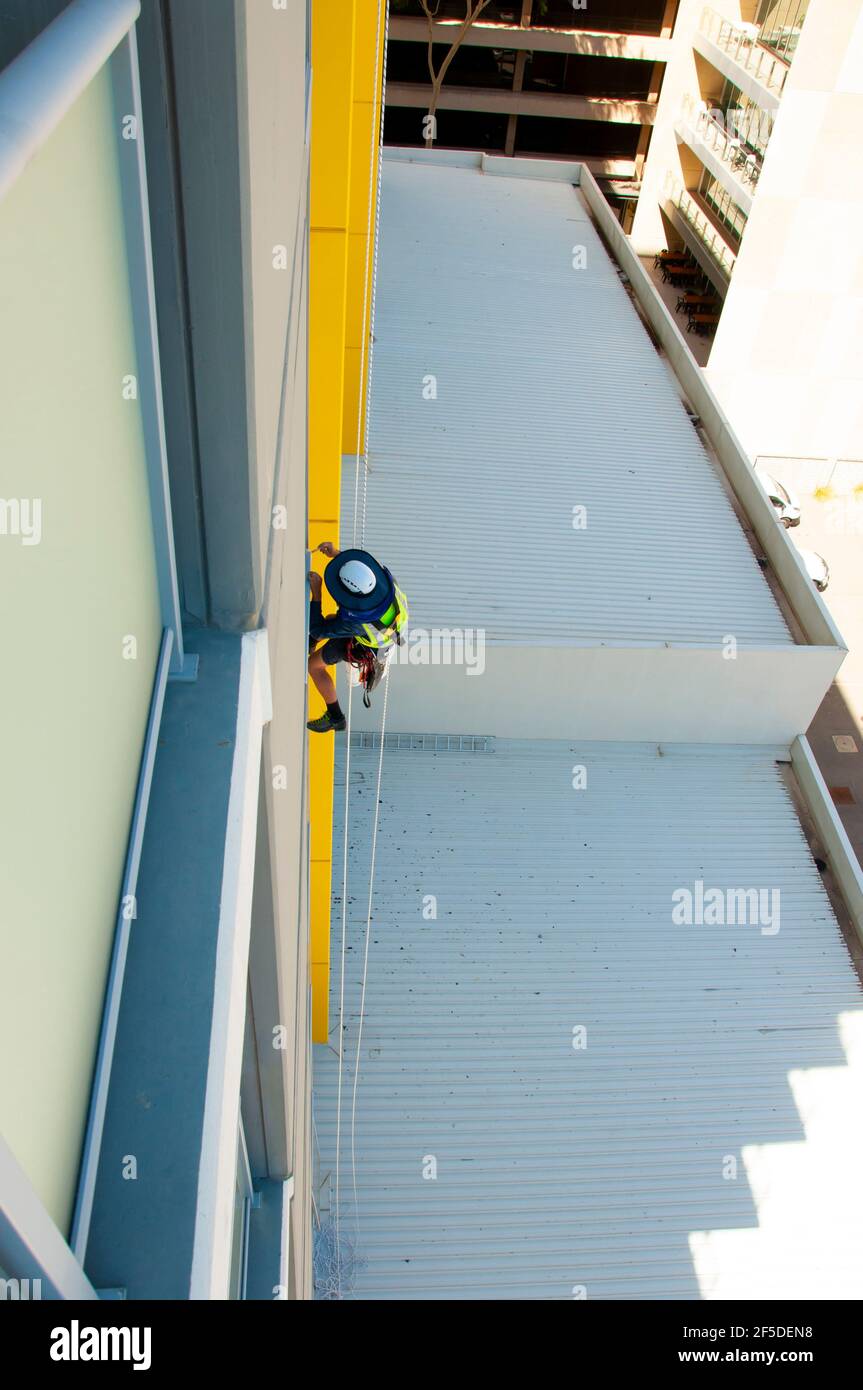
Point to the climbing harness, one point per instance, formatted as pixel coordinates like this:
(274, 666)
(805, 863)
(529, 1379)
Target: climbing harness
(370, 665)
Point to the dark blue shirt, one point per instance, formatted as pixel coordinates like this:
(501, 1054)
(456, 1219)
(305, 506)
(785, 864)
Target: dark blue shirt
(338, 624)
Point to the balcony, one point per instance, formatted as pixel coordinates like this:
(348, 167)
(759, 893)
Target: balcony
(710, 248)
(736, 51)
(557, 28)
(726, 155)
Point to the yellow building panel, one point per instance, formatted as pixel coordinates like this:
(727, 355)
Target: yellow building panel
(328, 278)
(323, 529)
(357, 261)
(356, 362)
(368, 42)
(321, 887)
(353, 368)
(321, 759)
(332, 111)
(328, 285)
(365, 140)
(321, 870)
(320, 974)
(346, 41)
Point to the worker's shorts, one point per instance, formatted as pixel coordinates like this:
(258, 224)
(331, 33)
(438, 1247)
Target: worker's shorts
(333, 650)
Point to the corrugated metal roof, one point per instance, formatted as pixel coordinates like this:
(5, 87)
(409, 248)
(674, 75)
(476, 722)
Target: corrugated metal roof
(550, 395)
(601, 1167)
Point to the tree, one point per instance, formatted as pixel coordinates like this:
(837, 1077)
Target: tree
(472, 11)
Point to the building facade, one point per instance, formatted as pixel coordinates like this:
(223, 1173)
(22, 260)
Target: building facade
(162, 218)
(755, 167)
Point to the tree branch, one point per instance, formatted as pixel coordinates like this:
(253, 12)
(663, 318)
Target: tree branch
(473, 9)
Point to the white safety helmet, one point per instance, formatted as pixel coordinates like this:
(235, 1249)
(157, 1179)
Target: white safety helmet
(357, 577)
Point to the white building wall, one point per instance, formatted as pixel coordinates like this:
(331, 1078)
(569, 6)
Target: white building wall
(787, 362)
(680, 80)
(611, 692)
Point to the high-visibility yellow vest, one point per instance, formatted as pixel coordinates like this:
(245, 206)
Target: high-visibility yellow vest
(372, 636)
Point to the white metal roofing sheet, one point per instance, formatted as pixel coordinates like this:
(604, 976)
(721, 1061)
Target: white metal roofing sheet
(604, 1168)
(549, 396)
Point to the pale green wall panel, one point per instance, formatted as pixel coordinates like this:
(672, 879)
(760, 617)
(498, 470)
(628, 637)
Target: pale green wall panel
(73, 709)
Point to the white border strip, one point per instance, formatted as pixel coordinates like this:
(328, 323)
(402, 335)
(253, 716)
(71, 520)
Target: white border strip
(31, 1247)
(809, 608)
(211, 1258)
(136, 208)
(285, 1248)
(42, 83)
(89, 1168)
(843, 860)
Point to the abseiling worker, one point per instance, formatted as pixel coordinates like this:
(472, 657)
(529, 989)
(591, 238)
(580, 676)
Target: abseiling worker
(372, 611)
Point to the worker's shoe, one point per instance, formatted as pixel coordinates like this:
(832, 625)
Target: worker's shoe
(325, 725)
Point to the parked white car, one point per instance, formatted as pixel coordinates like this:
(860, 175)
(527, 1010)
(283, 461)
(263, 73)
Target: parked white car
(786, 504)
(816, 568)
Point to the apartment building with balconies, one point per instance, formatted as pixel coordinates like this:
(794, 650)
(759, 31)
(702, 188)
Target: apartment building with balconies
(755, 170)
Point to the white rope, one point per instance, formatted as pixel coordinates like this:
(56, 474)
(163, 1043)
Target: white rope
(366, 957)
(376, 138)
(337, 1211)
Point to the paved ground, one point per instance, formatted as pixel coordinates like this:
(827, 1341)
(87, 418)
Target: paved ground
(698, 346)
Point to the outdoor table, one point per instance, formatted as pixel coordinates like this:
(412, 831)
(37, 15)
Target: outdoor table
(702, 322)
(696, 301)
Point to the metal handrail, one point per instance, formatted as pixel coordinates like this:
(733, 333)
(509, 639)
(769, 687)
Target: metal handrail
(43, 82)
(743, 44)
(741, 158)
(707, 234)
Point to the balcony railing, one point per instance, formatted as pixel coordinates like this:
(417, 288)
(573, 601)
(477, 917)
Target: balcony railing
(741, 42)
(713, 129)
(694, 215)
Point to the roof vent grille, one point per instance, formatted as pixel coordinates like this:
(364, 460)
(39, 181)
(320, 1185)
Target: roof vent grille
(426, 743)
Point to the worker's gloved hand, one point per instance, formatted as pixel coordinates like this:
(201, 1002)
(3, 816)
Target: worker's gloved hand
(315, 584)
